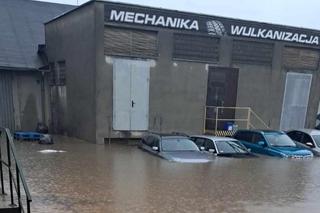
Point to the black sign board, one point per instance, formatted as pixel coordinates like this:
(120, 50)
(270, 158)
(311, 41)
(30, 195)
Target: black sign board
(211, 25)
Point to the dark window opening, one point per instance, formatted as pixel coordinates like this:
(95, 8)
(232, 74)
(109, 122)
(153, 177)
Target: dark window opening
(52, 74)
(243, 136)
(196, 47)
(130, 42)
(61, 79)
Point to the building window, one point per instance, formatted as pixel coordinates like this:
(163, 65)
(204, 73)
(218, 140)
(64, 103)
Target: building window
(130, 42)
(52, 74)
(196, 47)
(252, 52)
(61, 77)
(300, 58)
(57, 75)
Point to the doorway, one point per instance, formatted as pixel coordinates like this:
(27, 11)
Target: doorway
(295, 101)
(130, 95)
(221, 92)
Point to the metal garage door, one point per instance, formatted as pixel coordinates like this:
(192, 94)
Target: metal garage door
(130, 94)
(295, 102)
(6, 100)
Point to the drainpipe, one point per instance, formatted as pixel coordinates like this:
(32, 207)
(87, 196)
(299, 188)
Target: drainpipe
(43, 98)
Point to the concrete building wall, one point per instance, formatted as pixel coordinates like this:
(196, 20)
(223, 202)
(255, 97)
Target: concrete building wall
(22, 106)
(104, 79)
(262, 88)
(72, 39)
(28, 100)
(251, 94)
(177, 93)
(178, 88)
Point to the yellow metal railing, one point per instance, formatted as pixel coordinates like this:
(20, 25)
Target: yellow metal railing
(217, 117)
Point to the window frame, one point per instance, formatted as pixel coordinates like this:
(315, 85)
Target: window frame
(305, 135)
(243, 133)
(254, 135)
(295, 134)
(210, 142)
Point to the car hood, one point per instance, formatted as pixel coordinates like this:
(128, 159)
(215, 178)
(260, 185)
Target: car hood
(292, 151)
(187, 157)
(237, 155)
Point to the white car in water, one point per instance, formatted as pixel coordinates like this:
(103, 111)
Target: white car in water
(221, 146)
(307, 138)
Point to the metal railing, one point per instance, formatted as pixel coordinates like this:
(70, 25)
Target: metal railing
(16, 176)
(217, 117)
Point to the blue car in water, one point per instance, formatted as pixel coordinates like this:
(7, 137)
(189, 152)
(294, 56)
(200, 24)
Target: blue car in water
(272, 143)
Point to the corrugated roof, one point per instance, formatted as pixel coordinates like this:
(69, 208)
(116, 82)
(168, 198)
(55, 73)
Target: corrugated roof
(22, 30)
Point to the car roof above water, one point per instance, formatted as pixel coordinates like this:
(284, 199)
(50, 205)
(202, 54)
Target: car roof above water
(261, 131)
(308, 131)
(214, 138)
(167, 135)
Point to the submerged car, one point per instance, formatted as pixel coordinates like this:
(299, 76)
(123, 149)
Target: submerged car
(272, 143)
(307, 138)
(221, 146)
(175, 148)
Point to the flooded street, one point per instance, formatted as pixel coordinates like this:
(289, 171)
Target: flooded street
(123, 178)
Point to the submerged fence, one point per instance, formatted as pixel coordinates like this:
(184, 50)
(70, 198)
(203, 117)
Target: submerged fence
(224, 121)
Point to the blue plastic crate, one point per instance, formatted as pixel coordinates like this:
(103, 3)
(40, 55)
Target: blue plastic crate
(32, 136)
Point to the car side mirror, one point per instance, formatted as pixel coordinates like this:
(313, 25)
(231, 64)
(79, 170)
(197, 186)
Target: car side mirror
(309, 144)
(202, 148)
(155, 148)
(212, 150)
(262, 143)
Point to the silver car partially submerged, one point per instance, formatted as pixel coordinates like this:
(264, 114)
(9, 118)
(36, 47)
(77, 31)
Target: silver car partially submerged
(307, 138)
(221, 146)
(176, 148)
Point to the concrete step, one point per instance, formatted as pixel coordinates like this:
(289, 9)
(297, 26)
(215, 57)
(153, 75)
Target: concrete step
(5, 205)
(10, 210)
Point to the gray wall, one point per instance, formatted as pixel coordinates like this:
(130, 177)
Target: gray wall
(21, 104)
(262, 88)
(73, 39)
(177, 91)
(177, 88)
(27, 99)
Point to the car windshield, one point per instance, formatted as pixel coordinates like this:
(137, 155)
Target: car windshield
(230, 147)
(279, 139)
(178, 144)
(316, 138)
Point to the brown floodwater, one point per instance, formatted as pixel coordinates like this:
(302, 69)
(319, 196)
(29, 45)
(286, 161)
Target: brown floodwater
(122, 178)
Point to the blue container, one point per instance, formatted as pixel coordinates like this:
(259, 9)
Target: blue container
(228, 126)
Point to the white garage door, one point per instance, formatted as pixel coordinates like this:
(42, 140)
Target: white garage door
(295, 103)
(130, 94)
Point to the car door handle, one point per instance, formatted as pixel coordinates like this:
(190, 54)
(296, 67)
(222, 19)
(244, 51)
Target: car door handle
(132, 103)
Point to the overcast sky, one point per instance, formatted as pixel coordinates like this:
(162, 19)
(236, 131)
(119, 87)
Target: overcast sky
(288, 12)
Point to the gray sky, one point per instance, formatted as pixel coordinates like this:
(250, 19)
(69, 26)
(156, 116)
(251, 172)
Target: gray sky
(288, 12)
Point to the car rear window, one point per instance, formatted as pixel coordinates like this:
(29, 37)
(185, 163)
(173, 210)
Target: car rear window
(243, 136)
(178, 144)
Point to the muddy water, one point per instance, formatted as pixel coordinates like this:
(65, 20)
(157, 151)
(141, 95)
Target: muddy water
(119, 178)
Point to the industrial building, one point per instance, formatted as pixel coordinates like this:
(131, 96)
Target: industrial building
(23, 89)
(130, 69)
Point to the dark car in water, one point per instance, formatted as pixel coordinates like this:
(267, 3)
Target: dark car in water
(222, 146)
(272, 143)
(177, 148)
(306, 138)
